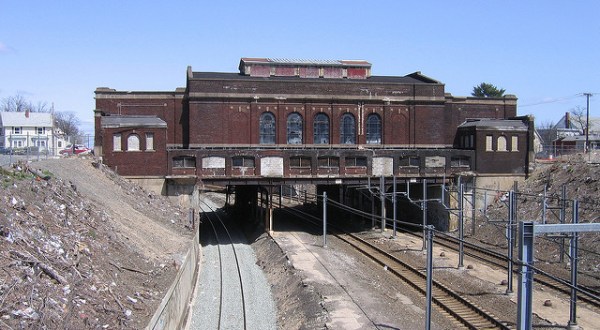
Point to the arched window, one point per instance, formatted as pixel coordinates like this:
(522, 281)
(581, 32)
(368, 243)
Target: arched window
(133, 142)
(267, 128)
(347, 131)
(374, 129)
(294, 128)
(321, 129)
(502, 143)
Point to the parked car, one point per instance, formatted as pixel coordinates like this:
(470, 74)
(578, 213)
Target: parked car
(78, 149)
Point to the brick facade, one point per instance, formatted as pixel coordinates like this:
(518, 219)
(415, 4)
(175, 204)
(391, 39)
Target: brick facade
(217, 118)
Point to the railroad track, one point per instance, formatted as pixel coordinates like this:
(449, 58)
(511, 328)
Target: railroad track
(231, 313)
(449, 302)
(585, 295)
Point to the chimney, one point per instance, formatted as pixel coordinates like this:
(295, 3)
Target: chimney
(27, 113)
(567, 120)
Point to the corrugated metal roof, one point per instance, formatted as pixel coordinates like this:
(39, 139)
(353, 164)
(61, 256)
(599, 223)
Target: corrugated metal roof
(132, 121)
(18, 119)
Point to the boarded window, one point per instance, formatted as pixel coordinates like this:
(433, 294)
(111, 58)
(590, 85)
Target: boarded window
(348, 129)
(356, 161)
(267, 128)
(117, 142)
(514, 143)
(242, 161)
(133, 142)
(374, 129)
(501, 143)
(409, 161)
(329, 161)
(300, 161)
(488, 143)
(321, 129)
(294, 128)
(184, 162)
(149, 141)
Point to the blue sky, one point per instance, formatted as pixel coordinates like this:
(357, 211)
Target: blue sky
(544, 52)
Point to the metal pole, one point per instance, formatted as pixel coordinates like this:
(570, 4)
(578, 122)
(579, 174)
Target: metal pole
(461, 226)
(509, 234)
(324, 219)
(429, 230)
(424, 208)
(280, 194)
(394, 205)
(544, 204)
(485, 202)
(573, 305)
(473, 210)
(563, 213)
(587, 123)
(525, 276)
(382, 194)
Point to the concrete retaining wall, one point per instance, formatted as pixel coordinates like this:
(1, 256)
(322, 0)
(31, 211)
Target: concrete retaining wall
(171, 313)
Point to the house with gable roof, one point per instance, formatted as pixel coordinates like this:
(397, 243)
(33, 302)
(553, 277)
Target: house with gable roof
(30, 131)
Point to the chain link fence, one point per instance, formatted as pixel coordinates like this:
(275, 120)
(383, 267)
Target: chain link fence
(28, 151)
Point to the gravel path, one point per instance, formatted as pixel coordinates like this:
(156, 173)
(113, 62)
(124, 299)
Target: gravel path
(260, 308)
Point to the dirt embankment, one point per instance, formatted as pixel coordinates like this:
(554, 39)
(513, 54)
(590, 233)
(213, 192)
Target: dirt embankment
(580, 175)
(84, 248)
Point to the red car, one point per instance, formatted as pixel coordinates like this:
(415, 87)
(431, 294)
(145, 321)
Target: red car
(75, 150)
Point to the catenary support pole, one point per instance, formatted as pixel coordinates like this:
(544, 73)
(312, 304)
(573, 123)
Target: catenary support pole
(461, 226)
(394, 198)
(509, 237)
(574, 243)
(473, 202)
(563, 213)
(382, 195)
(429, 231)
(424, 208)
(324, 219)
(525, 275)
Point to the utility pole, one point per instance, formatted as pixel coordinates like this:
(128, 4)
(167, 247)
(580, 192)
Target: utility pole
(587, 123)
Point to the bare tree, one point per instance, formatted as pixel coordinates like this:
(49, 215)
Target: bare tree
(579, 119)
(18, 103)
(68, 123)
(547, 132)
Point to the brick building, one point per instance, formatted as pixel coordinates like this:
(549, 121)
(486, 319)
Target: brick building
(321, 122)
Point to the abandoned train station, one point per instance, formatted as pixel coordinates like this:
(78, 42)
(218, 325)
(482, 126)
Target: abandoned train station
(310, 125)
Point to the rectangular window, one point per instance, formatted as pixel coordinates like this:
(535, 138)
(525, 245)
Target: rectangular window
(242, 162)
(488, 143)
(329, 162)
(149, 141)
(514, 143)
(184, 162)
(409, 161)
(356, 161)
(117, 142)
(40, 130)
(301, 162)
(17, 130)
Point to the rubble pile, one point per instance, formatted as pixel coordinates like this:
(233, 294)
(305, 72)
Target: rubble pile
(63, 263)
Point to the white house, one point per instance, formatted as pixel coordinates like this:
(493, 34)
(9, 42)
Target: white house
(30, 130)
